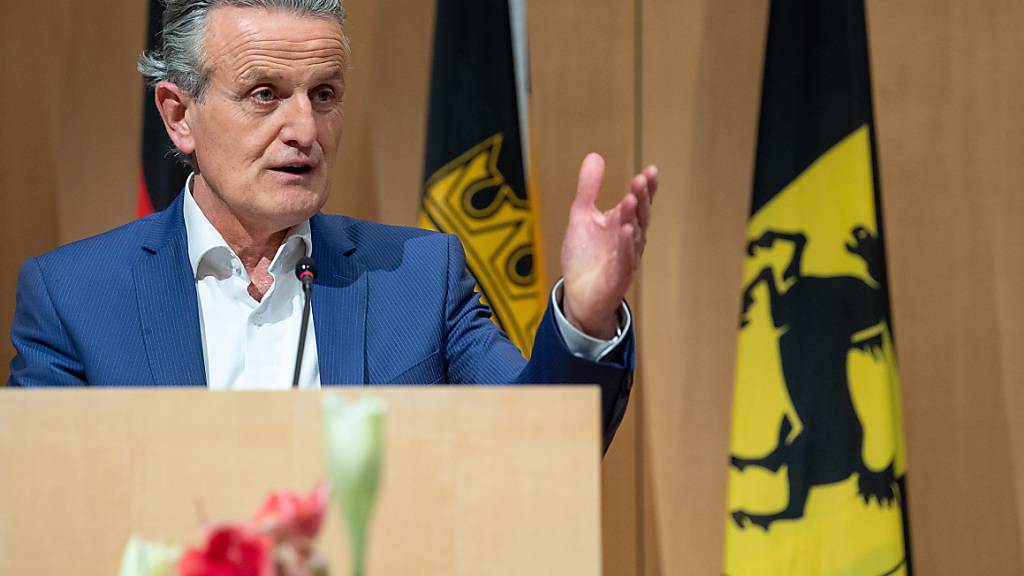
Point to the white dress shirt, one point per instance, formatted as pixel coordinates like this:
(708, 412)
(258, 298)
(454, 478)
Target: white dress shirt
(250, 345)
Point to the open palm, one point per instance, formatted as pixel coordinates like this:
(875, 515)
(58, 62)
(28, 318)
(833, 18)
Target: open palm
(602, 250)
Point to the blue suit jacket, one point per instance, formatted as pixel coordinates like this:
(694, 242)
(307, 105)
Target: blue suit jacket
(391, 305)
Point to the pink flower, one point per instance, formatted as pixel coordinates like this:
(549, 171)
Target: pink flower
(291, 518)
(230, 551)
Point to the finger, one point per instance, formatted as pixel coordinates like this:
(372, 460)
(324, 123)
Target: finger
(651, 173)
(628, 210)
(638, 184)
(627, 249)
(591, 177)
(640, 188)
(630, 224)
(640, 240)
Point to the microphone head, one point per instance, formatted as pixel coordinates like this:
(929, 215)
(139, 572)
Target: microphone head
(305, 270)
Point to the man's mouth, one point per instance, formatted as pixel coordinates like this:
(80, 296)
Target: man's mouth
(297, 168)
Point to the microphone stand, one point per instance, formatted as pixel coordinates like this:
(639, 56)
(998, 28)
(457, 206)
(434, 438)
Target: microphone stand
(305, 270)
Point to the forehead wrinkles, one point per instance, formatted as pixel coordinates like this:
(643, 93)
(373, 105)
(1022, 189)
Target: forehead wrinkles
(284, 55)
(240, 45)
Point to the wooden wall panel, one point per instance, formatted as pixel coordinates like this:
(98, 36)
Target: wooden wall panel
(582, 65)
(71, 115)
(98, 116)
(28, 182)
(948, 85)
(583, 100)
(380, 169)
(701, 85)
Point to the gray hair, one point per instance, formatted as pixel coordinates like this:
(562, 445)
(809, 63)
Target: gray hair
(180, 59)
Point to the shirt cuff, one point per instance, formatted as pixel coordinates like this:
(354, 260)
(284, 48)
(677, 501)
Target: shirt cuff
(583, 345)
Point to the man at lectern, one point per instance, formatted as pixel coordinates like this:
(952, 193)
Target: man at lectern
(204, 292)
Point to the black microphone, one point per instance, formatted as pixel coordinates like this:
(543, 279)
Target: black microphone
(305, 271)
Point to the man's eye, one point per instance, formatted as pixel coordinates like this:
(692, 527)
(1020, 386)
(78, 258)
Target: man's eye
(263, 95)
(325, 95)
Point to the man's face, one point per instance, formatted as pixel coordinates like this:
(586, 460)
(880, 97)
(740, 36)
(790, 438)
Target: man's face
(267, 129)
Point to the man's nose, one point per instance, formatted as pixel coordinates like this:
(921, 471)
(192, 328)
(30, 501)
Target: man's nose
(299, 128)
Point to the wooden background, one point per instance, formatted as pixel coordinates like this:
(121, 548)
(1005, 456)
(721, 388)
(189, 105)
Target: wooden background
(674, 82)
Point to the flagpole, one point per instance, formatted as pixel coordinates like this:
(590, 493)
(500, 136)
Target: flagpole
(520, 59)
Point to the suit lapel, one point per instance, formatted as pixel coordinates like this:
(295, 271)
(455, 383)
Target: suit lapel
(168, 305)
(339, 305)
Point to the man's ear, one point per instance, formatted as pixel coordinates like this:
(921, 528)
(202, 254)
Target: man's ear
(173, 103)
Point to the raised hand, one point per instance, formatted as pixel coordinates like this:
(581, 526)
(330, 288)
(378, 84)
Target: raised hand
(602, 250)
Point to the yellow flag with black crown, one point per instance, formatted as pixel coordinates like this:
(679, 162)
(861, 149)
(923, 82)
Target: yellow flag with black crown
(477, 178)
(817, 478)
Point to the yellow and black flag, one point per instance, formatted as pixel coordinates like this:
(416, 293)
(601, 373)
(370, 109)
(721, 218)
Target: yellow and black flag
(477, 177)
(817, 465)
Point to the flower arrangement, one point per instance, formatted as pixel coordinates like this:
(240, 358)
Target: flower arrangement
(280, 538)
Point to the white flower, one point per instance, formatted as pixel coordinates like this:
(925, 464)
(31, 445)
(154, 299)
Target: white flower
(142, 558)
(354, 438)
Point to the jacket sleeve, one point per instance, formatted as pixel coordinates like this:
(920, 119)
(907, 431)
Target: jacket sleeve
(44, 354)
(478, 352)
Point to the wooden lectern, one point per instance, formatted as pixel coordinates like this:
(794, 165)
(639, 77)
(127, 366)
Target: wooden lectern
(476, 480)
